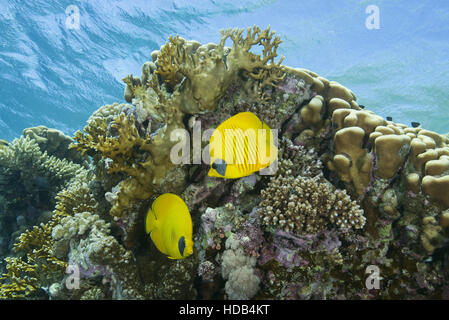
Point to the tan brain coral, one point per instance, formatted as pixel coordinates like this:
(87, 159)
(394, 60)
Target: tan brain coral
(351, 161)
(437, 188)
(391, 151)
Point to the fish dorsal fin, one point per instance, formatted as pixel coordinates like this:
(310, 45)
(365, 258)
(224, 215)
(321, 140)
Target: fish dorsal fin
(164, 204)
(244, 121)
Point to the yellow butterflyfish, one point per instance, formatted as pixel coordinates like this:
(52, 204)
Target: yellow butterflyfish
(169, 224)
(240, 146)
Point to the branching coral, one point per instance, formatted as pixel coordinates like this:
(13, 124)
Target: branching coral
(95, 136)
(133, 85)
(210, 69)
(298, 199)
(54, 142)
(168, 60)
(145, 160)
(256, 66)
(39, 266)
(120, 148)
(124, 149)
(25, 276)
(306, 206)
(96, 253)
(18, 283)
(30, 180)
(24, 159)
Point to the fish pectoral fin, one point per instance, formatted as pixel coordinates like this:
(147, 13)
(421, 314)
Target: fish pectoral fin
(151, 237)
(171, 258)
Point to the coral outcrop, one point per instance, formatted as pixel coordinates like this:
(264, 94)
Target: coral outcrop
(238, 269)
(305, 206)
(35, 265)
(54, 142)
(30, 179)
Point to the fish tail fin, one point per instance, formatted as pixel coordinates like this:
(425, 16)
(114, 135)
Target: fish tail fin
(266, 127)
(270, 143)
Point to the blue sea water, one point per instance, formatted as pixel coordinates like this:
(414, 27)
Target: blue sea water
(54, 76)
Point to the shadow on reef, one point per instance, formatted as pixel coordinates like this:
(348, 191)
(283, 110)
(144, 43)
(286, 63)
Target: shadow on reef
(352, 192)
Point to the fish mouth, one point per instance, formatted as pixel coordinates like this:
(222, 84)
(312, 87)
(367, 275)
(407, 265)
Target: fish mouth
(188, 251)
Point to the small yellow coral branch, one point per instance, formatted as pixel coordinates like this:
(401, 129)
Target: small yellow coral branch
(259, 68)
(26, 274)
(168, 63)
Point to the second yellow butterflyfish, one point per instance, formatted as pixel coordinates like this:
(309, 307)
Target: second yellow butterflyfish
(169, 224)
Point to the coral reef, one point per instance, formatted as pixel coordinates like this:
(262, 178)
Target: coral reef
(3, 143)
(35, 266)
(349, 191)
(86, 242)
(23, 159)
(30, 179)
(54, 142)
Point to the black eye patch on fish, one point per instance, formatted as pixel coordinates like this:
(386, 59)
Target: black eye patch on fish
(181, 245)
(220, 166)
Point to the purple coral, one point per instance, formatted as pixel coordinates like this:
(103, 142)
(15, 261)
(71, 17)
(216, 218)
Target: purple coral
(286, 247)
(208, 270)
(250, 237)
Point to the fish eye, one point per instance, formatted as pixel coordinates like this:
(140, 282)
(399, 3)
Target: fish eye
(181, 245)
(220, 166)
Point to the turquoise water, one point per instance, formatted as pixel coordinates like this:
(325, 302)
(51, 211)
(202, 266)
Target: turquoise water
(54, 76)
